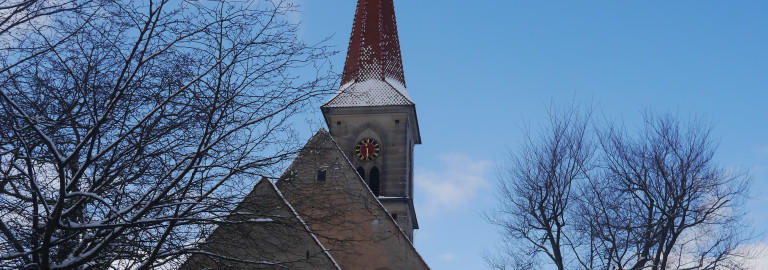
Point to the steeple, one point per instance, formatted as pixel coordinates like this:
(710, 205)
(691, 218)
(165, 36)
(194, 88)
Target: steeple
(372, 117)
(373, 72)
(374, 48)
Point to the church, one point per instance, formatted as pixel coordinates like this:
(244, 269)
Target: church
(346, 200)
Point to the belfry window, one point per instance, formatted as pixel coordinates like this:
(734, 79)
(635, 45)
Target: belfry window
(361, 172)
(373, 183)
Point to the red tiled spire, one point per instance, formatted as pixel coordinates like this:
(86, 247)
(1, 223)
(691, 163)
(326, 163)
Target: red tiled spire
(374, 48)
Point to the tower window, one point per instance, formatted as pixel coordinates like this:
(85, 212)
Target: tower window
(321, 175)
(397, 121)
(338, 123)
(374, 181)
(361, 172)
(394, 216)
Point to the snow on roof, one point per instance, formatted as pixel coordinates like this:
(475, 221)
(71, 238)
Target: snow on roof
(369, 93)
(373, 72)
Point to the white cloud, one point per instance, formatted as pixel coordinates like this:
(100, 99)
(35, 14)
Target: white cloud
(452, 187)
(762, 149)
(758, 253)
(448, 257)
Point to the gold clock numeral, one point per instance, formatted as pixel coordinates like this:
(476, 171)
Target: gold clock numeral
(363, 149)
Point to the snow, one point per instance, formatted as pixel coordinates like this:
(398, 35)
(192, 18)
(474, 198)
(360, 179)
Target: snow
(399, 87)
(371, 92)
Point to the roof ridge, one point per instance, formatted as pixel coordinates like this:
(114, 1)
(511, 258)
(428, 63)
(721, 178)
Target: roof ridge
(218, 230)
(400, 89)
(306, 227)
(370, 192)
(361, 181)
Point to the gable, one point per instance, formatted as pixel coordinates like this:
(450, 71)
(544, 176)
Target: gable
(263, 232)
(342, 212)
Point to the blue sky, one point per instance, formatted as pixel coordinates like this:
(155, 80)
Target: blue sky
(478, 69)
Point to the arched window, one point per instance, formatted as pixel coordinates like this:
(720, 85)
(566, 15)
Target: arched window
(361, 172)
(374, 181)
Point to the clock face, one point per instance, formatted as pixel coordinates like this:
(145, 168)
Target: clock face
(367, 149)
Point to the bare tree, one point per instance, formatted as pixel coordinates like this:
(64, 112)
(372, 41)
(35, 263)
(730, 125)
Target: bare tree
(127, 127)
(662, 202)
(536, 189)
(653, 201)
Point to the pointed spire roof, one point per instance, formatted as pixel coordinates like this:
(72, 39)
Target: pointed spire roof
(373, 72)
(374, 47)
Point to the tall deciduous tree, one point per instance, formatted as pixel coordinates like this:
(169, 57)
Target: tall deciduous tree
(610, 199)
(536, 188)
(126, 126)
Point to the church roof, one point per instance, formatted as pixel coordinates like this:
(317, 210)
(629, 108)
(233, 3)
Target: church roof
(373, 72)
(369, 93)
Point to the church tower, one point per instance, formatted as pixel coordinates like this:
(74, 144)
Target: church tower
(372, 117)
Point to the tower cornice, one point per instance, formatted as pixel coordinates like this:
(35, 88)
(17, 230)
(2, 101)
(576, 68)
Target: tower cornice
(409, 110)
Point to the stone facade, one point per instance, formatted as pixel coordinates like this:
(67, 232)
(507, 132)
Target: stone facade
(320, 214)
(392, 127)
(349, 220)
